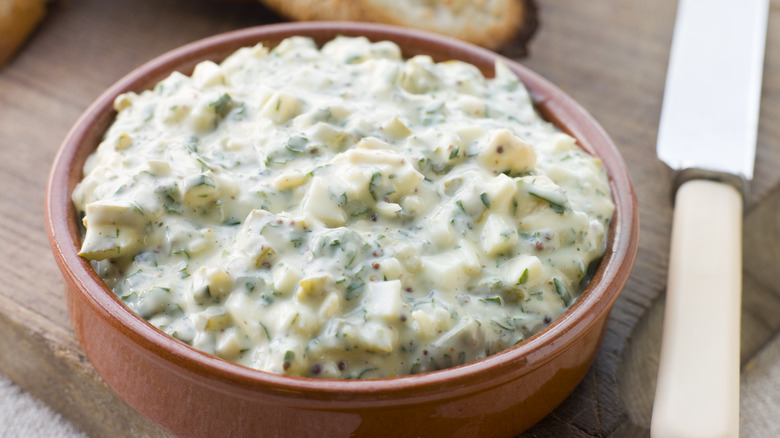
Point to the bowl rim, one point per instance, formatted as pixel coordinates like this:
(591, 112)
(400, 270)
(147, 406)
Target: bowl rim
(555, 105)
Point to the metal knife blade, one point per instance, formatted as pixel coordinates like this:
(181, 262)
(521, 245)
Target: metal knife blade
(707, 134)
(713, 86)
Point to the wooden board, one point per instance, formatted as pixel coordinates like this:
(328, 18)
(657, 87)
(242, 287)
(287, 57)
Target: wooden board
(609, 54)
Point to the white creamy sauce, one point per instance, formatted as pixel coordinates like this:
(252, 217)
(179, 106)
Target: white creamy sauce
(343, 212)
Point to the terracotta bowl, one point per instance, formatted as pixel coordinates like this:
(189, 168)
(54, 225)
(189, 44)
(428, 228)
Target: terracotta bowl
(190, 393)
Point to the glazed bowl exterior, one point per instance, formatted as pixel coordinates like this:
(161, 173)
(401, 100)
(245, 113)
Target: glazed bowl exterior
(190, 393)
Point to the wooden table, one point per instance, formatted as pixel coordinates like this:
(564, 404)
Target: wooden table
(609, 54)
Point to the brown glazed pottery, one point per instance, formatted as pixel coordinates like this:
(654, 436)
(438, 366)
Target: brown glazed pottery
(193, 394)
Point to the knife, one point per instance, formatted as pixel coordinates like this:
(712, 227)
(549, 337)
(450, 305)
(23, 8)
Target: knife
(707, 135)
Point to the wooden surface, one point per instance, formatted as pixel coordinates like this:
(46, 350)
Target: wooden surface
(609, 54)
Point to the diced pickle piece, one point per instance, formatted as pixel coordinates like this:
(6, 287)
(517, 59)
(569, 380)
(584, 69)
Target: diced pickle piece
(319, 203)
(182, 330)
(391, 268)
(371, 143)
(470, 105)
(290, 317)
(382, 172)
(290, 356)
(124, 141)
(263, 234)
(501, 193)
(330, 306)
(208, 74)
(237, 61)
(383, 300)
(440, 229)
(243, 310)
(523, 271)
(124, 100)
(281, 107)
(377, 337)
(306, 322)
(313, 287)
(414, 205)
(159, 168)
(230, 344)
(114, 229)
(507, 153)
(417, 76)
(465, 333)
(469, 133)
(396, 129)
(290, 180)
(388, 209)
(177, 112)
(334, 139)
(560, 142)
(285, 278)
(209, 283)
(544, 189)
(498, 236)
(450, 270)
(257, 248)
(209, 111)
(430, 323)
(409, 258)
(213, 318)
(200, 190)
(152, 301)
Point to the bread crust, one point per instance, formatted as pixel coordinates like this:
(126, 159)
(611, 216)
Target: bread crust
(488, 23)
(18, 18)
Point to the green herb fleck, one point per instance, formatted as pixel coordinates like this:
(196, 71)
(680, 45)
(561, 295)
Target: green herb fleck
(297, 144)
(364, 372)
(523, 277)
(222, 105)
(354, 289)
(267, 335)
(353, 59)
(562, 291)
(485, 200)
(508, 325)
(555, 198)
(491, 300)
(372, 185)
(289, 356)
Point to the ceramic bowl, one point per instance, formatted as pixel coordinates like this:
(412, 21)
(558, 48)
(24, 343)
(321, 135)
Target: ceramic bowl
(190, 393)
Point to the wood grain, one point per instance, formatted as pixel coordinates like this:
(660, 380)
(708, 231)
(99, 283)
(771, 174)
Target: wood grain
(610, 55)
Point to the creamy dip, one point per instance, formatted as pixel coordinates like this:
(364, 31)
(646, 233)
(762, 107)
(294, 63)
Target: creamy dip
(342, 213)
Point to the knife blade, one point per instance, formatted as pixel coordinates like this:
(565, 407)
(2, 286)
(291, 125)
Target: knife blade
(707, 135)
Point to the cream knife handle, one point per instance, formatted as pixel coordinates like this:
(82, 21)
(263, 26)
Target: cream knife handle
(697, 394)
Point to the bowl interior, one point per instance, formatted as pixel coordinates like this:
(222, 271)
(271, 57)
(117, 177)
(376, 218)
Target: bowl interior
(552, 103)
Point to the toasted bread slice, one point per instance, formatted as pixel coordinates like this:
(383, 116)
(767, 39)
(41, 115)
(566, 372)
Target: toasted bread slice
(18, 18)
(488, 23)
